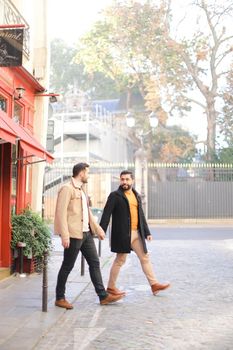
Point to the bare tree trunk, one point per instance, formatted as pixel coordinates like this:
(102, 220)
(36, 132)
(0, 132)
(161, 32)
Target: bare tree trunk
(211, 128)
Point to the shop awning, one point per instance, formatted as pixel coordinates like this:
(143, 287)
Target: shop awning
(6, 133)
(27, 141)
(32, 146)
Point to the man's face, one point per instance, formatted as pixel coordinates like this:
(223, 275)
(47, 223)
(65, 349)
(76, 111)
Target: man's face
(84, 175)
(126, 182)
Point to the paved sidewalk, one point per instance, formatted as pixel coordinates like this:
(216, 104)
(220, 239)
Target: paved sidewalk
(196, 313)
(22, 322)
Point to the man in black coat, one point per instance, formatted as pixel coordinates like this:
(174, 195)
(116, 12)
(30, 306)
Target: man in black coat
(129, 232)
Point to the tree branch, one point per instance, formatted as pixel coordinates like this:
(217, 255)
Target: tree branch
(222, 56)
(209, 20)
(223, 73)
(225, 39)
(192, 70)
(195, 101)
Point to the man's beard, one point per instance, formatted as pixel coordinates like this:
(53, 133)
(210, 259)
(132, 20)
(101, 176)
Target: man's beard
(126, 187)
(84, 180)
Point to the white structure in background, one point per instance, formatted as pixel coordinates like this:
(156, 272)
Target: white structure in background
(81, 135)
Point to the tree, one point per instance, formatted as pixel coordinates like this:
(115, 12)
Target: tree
(64, 73)
(206, 60)
(67, 75)
(173, 144)
(226, 120)
(122, 46)
(118, 46)
(134, 45)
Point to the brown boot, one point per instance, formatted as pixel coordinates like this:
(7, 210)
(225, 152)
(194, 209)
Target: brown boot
(64, 303)
(115, 291)
(157, 287)
(110, 298)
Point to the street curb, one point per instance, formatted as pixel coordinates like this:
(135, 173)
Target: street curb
(190, 222)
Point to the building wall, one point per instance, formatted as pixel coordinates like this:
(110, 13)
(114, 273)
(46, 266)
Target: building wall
(33, 76)
(41, 59)
(36, 14)
(109, 148)
(106, 142)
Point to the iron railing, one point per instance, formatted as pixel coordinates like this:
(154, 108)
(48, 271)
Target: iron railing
(173, 190)
(11, 15)
(199, 190)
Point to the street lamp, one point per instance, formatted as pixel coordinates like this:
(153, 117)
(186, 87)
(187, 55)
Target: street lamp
(19, 92)
(131, 122)
(88, 137)
(153, 120)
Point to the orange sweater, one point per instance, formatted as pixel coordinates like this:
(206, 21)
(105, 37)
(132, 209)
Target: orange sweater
(133, 206)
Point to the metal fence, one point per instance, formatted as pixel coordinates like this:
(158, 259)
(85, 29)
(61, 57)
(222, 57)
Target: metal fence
(173, 191)
(190, 191)
(103, 179)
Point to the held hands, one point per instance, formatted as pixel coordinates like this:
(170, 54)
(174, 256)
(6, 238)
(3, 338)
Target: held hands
(100, 233)
(149, 238)
(65, 242)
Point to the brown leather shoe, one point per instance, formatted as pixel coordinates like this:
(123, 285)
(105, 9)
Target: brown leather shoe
(157, 287)
(64, 303)
(115, 291)
(110, 298)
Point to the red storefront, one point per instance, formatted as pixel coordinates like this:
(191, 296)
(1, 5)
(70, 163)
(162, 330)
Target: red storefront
(18, 148)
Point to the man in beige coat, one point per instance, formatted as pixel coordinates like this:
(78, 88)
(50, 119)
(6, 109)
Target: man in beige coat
(76, 225)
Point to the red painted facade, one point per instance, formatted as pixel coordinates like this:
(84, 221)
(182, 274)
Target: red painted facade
(15, 188)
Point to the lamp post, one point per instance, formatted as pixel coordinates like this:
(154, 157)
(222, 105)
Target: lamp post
(140, 154)
(131, 122)
(62, 138)
(88, 137)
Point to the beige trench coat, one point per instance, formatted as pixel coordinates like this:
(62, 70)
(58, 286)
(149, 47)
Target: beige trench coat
(68, 220)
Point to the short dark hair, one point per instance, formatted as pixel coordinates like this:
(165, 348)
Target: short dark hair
(77, 168)
(127, 172)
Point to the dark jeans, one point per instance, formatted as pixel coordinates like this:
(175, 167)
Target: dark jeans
(88, 249)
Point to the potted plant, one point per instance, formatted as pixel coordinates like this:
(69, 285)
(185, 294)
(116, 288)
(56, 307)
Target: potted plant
(31, 233)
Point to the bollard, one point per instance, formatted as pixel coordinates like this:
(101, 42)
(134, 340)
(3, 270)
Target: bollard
(21, 245)
(45, 283)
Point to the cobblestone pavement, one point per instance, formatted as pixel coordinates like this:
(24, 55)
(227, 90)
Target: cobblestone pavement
(195, 313)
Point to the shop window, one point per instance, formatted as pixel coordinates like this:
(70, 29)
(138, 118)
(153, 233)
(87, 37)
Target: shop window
(3, 103)
(18, 113)
(14, 179)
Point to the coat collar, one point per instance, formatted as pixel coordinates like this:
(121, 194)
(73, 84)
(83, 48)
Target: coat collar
(121, 192)
(76, 184)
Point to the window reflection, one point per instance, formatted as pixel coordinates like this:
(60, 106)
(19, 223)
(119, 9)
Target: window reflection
(3, 103)
(14, 178)
(18, 113)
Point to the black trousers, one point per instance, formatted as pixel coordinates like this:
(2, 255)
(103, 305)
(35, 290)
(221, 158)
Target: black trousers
(88, 249)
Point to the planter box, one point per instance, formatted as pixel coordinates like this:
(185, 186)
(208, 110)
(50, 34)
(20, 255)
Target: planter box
(29, 265)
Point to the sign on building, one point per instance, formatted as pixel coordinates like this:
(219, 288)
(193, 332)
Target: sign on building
(11, 47)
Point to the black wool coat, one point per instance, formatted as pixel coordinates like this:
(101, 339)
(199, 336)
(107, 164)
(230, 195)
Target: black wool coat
(117, 206)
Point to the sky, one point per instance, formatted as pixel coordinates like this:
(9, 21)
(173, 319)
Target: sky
(75, 18)
(72, 18)
(71, 21)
